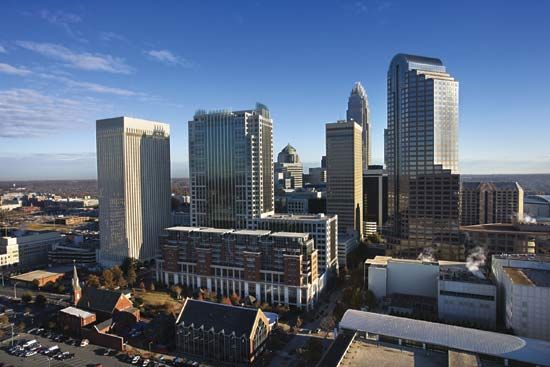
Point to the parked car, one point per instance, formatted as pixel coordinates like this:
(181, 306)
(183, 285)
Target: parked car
(84, 342)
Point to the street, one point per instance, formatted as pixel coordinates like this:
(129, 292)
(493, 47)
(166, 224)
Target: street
(287, 355)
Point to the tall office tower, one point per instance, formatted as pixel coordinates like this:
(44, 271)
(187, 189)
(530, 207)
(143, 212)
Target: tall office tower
(133, 174)
(375, 198)
(421, 154)
(345, 175)
(288, 169)
(359, 111)
(490, 202)
(231, 167)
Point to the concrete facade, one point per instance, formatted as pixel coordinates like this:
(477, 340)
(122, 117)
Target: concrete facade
(133, 166)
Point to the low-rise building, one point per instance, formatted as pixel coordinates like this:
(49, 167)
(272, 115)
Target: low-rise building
(463, 296)
(275, 267)
(33, 247)
(403, 342)
(514, 238)
(524, 293)
(37, 278)
(60, 254)
(226, 334)
(459, 295)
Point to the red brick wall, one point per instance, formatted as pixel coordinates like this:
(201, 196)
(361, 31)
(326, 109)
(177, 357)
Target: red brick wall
(103, 339)
(252, 266)
(293, 269)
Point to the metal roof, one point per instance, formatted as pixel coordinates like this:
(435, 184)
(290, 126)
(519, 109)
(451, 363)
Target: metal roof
(453, 337)
(77, 312)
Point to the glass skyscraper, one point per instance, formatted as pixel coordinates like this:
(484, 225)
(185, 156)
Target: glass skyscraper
(358, 110)
(231, 167)
(421, 155)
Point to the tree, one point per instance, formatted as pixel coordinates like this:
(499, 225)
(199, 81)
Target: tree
(118, 276)
(4, 319)
(26, 298)
(328, 323)
(93, 281)
(152, 286)
(131, 276)
(226, 301)
(176, 290)
(142, 286)
(108, 279)
(314, 351)
(36, 283)
(40, 300)
(235, 299)
(299, 322)
(128, 264)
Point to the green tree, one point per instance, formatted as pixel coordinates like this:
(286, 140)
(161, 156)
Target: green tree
(93, 281)
(40, 300)
(26, 298)
(4, 319)
(152, 286)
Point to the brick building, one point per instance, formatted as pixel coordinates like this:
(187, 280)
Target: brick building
(228, 334)
(275, 267)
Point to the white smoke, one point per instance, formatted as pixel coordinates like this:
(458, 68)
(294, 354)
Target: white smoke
(475, 260)
(527, 219)
(427, 254)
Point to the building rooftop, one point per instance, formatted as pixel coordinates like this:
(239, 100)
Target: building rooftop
(217, 316)
(290, 234)
(541, 258)
(528, 277)
(96, 299)
(448, 336)
(35, 275)
(504, 185)
(524, 228)
(252, 232)
(77, 312)
(312, 217)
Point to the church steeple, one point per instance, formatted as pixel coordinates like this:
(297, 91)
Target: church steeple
(77, 291)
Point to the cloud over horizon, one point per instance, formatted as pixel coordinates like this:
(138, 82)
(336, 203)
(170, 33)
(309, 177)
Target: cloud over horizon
(82, 60)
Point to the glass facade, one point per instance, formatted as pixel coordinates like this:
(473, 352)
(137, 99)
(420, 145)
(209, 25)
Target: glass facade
(358, 110)
(230, 164)
(421, 155)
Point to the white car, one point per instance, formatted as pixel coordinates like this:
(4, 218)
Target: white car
(135, 360)
(84, 342)
(30, 353)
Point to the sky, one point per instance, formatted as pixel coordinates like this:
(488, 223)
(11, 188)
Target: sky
(65, 64)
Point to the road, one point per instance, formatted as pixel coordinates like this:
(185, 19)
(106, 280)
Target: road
(51, 297)
(284, 356)
(84, 356)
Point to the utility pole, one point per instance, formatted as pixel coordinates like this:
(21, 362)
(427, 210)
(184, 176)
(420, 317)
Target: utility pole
(11, 334)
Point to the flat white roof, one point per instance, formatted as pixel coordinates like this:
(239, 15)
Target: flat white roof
(453, 337)
(290, 234)
(77, 312)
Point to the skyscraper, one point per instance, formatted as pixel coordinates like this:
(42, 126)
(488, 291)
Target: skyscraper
(133, 171)
(490, 202)
(345, 175)
(375, 198)
(421, 154)
(359, 111)
(231, 167)
(288, 169)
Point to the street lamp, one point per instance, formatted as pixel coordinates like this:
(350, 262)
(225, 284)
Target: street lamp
(11, 324)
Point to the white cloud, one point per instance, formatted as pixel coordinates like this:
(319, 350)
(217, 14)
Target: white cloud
(30, 113)
(92, 87)
(2, 50)
(84, 60)
(111, 36)
(168, 57)
(64, 20)
(12, 70)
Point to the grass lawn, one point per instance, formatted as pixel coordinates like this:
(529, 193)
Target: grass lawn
(156, 298)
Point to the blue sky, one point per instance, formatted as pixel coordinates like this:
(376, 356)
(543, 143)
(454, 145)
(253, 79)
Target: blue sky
(65, 64)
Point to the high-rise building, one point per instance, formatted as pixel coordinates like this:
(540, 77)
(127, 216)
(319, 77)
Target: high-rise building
(288, 169)
(133, 171)
(359, 111)
(490, 202)
(421, 155)
(230, 167)
(345, 175)
(375, 198)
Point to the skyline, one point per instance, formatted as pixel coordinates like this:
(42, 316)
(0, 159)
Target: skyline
(66, 65)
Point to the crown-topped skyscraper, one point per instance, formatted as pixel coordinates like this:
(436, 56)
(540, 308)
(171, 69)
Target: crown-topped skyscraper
(359, 111)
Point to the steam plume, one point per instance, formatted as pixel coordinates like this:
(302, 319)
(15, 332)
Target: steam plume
(475, 260)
